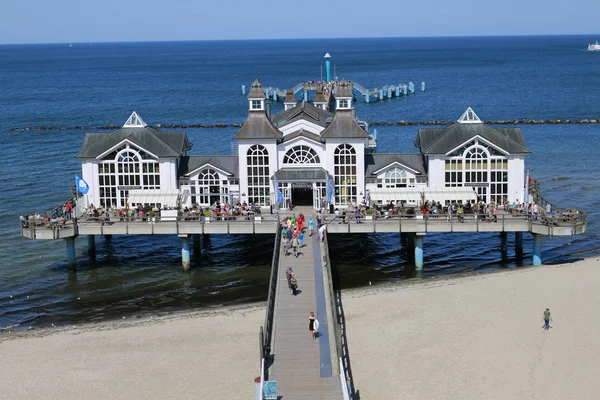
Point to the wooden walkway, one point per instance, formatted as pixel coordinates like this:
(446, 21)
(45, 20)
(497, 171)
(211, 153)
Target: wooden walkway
(303, 368)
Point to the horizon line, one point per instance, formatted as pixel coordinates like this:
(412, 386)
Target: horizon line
(299, 38)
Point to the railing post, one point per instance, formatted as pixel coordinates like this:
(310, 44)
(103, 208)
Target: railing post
(477, 221)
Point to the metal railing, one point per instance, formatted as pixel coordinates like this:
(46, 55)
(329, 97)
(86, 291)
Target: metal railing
(339, 326)
(266, 331)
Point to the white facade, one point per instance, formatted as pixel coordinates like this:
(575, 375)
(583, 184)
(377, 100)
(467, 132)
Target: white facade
(300, 167)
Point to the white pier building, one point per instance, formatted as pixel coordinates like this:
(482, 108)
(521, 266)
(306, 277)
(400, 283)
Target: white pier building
(299, 150)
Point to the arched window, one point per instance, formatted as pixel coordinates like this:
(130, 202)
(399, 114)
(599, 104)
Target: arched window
(476, 170)
(209, 187)
(396, 178)
(301, 155)
(258, 175)
(344, 164)
(123, 170)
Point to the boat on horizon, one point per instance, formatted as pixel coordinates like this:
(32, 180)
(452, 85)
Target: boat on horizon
(594, 47)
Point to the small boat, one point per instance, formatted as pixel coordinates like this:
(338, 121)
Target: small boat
(594, 47)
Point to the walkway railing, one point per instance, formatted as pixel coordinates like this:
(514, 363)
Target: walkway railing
(266, 331)
(339, 328)
(560, 222)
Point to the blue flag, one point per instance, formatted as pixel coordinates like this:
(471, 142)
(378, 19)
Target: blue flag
(279, 199)
(330, 190)
(82, 186)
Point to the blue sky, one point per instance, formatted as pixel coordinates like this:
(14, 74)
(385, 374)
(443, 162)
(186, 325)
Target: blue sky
(59, 21)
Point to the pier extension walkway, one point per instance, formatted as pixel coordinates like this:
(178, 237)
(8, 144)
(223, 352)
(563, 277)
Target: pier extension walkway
(304, 368)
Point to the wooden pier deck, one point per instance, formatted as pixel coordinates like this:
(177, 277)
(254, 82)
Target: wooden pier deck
(303, 368)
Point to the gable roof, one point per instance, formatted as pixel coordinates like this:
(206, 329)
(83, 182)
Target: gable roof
(376, 161)
(161, 144)
(305, 111)
(257, 126)
(443, 140)
(189, 164)
(344, 125)
(302, 133)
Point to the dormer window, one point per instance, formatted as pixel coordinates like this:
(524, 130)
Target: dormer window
(256, 105)
(343, 103)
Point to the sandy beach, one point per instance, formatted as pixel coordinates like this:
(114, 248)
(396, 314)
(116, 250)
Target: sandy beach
(480, 337)
(470, 337)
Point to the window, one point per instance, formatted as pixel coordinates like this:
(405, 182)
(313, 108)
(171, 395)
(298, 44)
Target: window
(343, 103)
(301, 155)
(125, 169)
(344, 164)
(397, 178)
(259, 187)
(454, 173)
(256, 104)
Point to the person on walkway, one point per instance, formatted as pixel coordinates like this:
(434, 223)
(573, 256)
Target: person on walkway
(288, 275)
(319, 219)
(322, 232)
(311, 226)
(547, 319)
(295, 245)
(294, 284)
(301, 239)
(313, 325)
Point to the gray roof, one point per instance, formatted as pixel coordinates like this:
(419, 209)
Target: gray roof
(188, 164)
(289, 97)
(303, 133)
(377, 161)
(344, 125)
(161, 144)
(256, 91)
(305, 111)
(301, 174)
(319, 97)
(344, 89)
(257, 126)
(443, 140)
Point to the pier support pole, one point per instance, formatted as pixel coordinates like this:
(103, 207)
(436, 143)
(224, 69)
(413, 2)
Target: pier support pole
(185, 252)
(71, 253)
(419, 252)
(537, 249)
(504, 246)
(197, 247)
(519, 245)
(91, 245)
(108, 238)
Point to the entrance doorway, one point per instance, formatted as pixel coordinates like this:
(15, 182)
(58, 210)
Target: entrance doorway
(302, 196)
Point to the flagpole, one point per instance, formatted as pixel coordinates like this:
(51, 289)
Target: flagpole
(527, 188)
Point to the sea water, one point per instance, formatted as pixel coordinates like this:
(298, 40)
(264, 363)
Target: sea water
(95, 84)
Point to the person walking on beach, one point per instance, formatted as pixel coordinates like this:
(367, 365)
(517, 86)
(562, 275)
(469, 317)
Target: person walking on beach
(547, 319)
(313, 325)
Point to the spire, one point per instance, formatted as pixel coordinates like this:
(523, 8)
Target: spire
(256, 91)
(469, 117)
(135, 121)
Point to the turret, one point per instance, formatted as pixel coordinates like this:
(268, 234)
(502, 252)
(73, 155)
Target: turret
(290, 100)
(256, 97)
